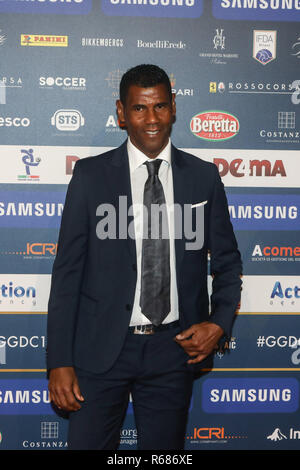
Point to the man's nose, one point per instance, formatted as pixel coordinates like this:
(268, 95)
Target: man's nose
(151, 116)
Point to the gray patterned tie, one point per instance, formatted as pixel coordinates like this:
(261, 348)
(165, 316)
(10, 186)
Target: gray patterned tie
(155, 272)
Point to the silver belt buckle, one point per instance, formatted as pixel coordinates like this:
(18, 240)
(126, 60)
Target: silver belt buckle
(143, 330)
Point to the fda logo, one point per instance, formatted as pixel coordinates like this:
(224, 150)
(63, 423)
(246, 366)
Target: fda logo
(67, 120)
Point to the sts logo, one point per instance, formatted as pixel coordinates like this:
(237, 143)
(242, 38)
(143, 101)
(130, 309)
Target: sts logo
(67, 120)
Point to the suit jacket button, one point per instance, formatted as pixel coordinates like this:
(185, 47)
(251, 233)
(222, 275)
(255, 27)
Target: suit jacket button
(128, 307)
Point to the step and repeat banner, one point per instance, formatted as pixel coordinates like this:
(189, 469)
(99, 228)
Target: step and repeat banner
(234, 66)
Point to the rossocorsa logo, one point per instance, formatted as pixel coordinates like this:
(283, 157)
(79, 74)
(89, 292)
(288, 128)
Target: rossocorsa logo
(157, 8)
(64, 7)
(250, 395)
(214, 125)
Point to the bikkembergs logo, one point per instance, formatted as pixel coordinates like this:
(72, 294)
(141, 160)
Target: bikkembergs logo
(214, 125)
(155, 8)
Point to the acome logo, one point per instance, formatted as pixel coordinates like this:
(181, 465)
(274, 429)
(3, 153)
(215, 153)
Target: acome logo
(214, 125)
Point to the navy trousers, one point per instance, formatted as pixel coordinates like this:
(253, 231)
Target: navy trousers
(154, 370)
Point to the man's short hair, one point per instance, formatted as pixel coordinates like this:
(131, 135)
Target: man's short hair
(145, 76)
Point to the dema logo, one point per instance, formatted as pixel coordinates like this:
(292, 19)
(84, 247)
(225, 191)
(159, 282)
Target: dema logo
(250, 395)
(56, 7)
(156, 8)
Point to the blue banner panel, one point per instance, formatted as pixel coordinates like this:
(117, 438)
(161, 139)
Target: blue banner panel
(29, 207)
(257, 10)
(24, 397)
(156, 8)
(24, 251)
(251, 395)
(270, 252)
(264, 211)
(56, 7)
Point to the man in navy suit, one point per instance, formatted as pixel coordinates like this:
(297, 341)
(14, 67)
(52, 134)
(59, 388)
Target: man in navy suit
(121, 322)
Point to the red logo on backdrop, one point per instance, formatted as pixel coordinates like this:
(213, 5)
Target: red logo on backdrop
(214, 125)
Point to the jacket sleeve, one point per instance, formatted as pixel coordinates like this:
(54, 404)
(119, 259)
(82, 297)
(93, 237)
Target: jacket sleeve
(225, 261)
(67, 274)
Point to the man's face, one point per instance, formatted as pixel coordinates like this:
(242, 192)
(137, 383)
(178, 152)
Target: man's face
(148, 115)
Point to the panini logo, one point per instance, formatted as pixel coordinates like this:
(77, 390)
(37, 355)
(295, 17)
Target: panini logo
(44, 40)
(157, 8)
(214, 125)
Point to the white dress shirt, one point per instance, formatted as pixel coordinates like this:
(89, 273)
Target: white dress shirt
(138, 177)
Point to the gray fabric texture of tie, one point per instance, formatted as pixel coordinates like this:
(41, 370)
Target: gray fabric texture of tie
(155, 269)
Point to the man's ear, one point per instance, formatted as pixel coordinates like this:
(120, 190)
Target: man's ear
(120, 113)
(174, 107)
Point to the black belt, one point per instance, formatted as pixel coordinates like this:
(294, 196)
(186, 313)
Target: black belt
(151, 329)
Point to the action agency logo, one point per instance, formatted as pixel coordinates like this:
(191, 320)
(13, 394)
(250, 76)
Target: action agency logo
(213, 435)
(153, 8)
(67, 120)
(285, 294)
(44, 40)
(214, 125)
(264, 46)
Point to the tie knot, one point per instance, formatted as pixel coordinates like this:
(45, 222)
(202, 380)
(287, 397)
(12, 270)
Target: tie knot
(153, 166)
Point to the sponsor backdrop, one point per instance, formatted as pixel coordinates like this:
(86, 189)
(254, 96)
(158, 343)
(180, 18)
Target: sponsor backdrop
(234, 66)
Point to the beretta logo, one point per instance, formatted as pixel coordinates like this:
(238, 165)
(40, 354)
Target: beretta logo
(214, 125)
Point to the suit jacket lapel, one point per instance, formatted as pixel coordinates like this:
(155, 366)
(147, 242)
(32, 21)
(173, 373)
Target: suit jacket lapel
(121, 183)
(182, 194)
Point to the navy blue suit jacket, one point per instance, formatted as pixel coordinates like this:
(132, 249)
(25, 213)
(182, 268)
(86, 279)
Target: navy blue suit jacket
(93, 280)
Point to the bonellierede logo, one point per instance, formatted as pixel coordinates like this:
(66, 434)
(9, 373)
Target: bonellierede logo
(44, 40)
(214, 125)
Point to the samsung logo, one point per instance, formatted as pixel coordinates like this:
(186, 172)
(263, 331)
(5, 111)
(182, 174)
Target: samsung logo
(250, 395)
(269, 10)
(266, 212)
(158, 8)
(24, 397)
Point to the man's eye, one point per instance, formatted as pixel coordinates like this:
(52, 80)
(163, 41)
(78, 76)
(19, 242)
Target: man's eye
(138, 108)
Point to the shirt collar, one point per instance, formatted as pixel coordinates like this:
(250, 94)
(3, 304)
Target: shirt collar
(138, 158)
